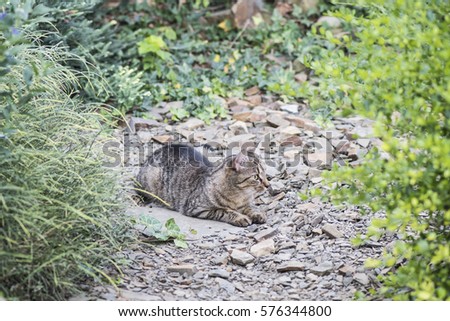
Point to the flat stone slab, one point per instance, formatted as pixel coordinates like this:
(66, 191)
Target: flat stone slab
(186, 223)
(183, 268)
(291, 266)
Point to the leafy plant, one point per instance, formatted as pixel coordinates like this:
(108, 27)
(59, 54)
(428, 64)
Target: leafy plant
(171, 230)
(154, 49)
(394, 71)
(60, 210)
(130, 94)
(282, 82)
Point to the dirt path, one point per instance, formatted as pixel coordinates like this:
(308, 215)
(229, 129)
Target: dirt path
(303, 252)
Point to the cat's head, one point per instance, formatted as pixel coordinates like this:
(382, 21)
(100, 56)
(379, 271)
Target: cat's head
(246, 172)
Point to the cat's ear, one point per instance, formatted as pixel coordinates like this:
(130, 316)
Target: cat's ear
(239, 161)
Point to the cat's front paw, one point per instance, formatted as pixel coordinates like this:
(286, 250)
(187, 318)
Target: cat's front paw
(258, 217)
(241, 220)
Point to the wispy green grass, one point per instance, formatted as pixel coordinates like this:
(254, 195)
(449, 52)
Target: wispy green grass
(60, 210)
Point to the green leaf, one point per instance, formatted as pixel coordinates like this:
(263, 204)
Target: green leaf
(164, 55)
(150, 222)
(171, 225)
(170, 33)
(180, 243)
(151, 44)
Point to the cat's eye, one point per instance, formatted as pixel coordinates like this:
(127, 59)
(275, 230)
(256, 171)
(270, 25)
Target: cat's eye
(256, 177)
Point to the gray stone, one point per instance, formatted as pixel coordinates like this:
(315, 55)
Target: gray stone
(250, 116)
(273, 205)
(241, 258)
(332, 231)
(239, 127)
(317, 219)
(265, 234)
(364, 142)
(316, 180)
(281, 257)
(137, 296)
(291, 108)
(220, 259)
(319, 159)
(341, 146)
(254, 99)
(180, 293)
(292, 154)
(144, 136)
(311, 277)
(302, 169)
(252, 91)
(226, 285)
(322, 269)
(305, 123)
(162, 139)
(174, 105)
(361, 278)
(290, 131)
(242, 115)
(346, 270)
(155, 115)
(182, 268)
(347, 280)
(285, 280)
(208, 245)
(263, 248)
(308, 208)
(183, 132)
(221, 273)
(314, 172)
(276, 188)
(137, 124)
(332, 135)
(317, 231)
(193, 123)
(109, 296)
(291, 266)
(241, 139)
(291, 141)
(272, 171)
(286, 245)
(275, 120)
(199, 275)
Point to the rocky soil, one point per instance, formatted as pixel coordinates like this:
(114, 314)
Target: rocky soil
(303, 252)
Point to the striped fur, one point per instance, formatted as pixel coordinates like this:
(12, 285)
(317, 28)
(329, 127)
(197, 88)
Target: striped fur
(190, 184)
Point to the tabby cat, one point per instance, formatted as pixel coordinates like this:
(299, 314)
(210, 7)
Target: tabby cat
(190, 184)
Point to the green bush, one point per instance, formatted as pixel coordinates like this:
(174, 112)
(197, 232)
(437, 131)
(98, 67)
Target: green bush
(60, 218)
(396, 71)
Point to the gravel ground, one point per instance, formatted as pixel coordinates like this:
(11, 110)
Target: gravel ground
(303, 252)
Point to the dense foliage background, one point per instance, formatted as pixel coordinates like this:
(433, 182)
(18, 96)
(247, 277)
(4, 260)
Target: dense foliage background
(396, 71)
